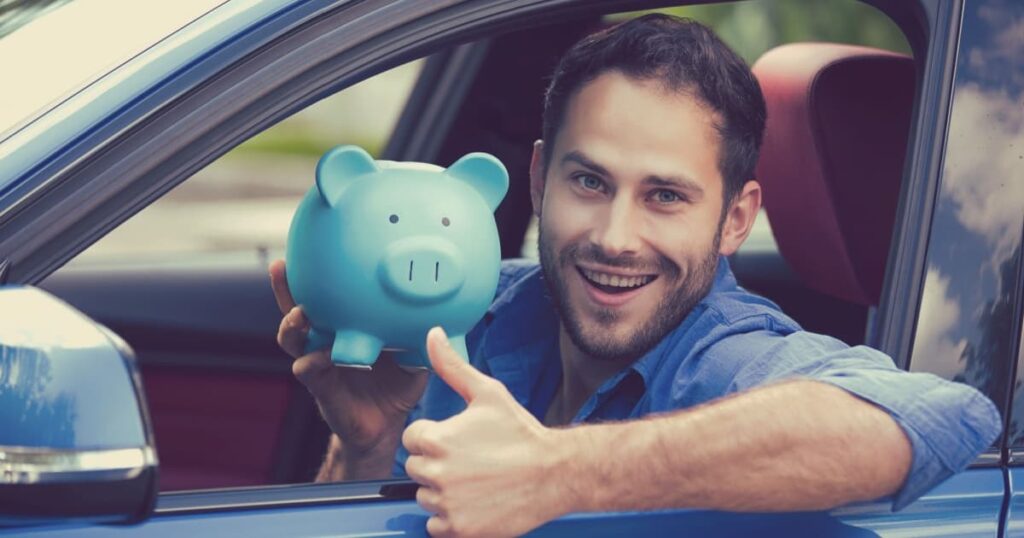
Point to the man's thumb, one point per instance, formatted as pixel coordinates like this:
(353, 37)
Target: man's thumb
(451, 368)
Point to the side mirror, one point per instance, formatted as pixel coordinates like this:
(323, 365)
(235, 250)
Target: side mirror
(75, 438)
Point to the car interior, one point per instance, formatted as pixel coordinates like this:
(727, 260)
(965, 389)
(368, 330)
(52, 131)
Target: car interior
(225, 407)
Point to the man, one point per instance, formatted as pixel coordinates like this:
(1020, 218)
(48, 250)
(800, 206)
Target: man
(642, 185)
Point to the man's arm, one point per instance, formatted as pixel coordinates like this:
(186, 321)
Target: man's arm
(800, 445)
(495, 470)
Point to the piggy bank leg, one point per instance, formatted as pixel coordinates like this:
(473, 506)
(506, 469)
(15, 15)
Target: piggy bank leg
(355, 349)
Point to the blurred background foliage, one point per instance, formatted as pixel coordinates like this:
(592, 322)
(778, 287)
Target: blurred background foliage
(754, 26)
(750, 27)
(244, 201)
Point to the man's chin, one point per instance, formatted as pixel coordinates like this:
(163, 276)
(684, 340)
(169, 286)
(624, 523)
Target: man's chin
(604, 335)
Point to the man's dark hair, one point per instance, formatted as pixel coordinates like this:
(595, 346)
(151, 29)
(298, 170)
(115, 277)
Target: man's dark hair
(685, 56)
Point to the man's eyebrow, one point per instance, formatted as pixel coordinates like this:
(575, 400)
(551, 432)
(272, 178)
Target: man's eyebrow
(582, 160)
(679, 182)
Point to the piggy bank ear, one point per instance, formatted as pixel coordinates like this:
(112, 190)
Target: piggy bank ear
(339, 168)
(485, 173)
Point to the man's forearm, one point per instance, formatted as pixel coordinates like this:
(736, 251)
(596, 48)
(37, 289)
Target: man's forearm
(340, 464)
(800, 445)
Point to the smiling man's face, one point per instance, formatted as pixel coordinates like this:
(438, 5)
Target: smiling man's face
(630, 210)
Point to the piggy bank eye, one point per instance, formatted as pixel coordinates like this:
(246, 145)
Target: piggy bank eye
(445, 221)
(393, 218)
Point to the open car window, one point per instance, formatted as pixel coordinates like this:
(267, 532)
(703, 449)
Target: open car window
(184, 280)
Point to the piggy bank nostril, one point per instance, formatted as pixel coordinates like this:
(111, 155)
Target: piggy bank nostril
(410, 270)
(437, 269)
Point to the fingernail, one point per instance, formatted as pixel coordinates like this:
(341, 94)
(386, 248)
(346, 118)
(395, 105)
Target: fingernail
(439, 331)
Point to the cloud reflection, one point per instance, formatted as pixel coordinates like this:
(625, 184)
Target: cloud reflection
(986, 156)
(939, 315)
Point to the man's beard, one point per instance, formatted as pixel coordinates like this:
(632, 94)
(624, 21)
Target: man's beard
(598, 342)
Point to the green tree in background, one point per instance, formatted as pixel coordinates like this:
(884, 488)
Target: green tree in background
(750, 27)
(754, 26)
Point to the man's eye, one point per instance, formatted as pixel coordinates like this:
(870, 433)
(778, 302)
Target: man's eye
(589, 182)
(667, 197)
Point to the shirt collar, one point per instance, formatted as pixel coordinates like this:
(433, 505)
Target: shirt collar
(522, 334)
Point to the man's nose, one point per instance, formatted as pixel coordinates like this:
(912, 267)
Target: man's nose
(618, 234)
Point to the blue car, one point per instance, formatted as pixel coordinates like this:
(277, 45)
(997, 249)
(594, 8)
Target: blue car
(151, 399)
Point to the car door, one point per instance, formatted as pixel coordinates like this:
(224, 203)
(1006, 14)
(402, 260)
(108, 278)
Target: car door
(313, 49)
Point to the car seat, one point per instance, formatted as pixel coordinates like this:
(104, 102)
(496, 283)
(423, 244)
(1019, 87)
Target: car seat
(831, 166)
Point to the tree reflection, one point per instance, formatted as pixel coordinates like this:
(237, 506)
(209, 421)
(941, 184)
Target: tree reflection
(30, 415)
(988, 356)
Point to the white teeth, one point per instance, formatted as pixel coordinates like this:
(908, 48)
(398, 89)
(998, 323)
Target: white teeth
(617, 281)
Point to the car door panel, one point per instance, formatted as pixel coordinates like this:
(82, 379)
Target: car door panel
(967, 505)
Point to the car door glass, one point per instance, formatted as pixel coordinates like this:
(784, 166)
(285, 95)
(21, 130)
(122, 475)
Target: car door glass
(967, 312)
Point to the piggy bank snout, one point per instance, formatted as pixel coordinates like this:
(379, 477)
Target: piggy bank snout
(422, 269)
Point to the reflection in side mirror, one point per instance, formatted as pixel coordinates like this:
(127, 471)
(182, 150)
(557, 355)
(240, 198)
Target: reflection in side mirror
(75, 439)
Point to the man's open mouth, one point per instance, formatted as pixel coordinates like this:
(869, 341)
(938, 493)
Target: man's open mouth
(611, 283)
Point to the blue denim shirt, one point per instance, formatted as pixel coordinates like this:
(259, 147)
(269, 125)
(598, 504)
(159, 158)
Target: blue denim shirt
(733, 340)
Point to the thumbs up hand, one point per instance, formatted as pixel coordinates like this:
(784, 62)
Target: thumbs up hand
(490, 470)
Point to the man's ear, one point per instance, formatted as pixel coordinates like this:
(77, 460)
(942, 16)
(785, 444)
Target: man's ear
(537, 176)
(739, 218)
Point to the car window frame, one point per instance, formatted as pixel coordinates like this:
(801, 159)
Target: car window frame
(406, 30)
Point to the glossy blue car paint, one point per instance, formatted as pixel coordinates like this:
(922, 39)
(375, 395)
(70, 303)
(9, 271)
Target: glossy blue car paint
(965, 506)
(380, 252)
(72, 388)
(1015, 507)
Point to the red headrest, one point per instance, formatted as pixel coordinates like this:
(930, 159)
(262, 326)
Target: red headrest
(832, 160)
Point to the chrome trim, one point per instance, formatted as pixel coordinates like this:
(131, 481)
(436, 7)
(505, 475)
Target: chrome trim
(1016, 456)
(987, 459)
(26, 465)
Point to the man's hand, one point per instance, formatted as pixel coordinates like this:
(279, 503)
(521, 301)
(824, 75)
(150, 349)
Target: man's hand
(366, 409)
(488, 471)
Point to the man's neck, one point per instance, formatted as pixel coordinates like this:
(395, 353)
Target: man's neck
(582, 375)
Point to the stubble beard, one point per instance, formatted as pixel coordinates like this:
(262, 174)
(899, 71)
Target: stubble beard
(598, 340)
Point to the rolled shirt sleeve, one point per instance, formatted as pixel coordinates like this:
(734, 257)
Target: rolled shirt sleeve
(948, 424)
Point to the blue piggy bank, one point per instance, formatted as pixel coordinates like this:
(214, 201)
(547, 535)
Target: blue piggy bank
(379, 252)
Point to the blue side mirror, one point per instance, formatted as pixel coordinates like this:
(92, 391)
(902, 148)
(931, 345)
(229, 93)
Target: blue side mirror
(75, 439)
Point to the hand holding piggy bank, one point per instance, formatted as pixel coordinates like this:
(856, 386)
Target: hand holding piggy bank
(379, 252)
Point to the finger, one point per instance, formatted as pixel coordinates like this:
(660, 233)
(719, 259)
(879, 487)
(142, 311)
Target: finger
(291, 335)
(429, 499)
(439, 527)
(418, 437)
(311, 368)
(418, 468)
(457, 373)
(279, 283)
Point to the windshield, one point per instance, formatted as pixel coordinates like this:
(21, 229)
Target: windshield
(51, 49)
